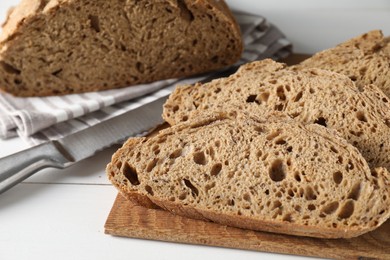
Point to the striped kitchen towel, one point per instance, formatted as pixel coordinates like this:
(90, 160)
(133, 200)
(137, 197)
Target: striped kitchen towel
(39, 119)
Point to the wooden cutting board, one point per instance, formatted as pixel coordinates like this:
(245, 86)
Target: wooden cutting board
(129, 220)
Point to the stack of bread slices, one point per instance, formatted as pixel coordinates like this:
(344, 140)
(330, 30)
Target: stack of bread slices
(302, 150)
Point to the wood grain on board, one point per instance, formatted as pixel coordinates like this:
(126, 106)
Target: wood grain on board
(129, 220)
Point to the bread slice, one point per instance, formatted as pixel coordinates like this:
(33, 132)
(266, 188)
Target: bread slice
(364, 59)
(273, 175)
(53, 47)
(361, 115)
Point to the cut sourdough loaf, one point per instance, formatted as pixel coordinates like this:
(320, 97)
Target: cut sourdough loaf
(70, 46)
(275, 175)
(365, 59)
(361, 115)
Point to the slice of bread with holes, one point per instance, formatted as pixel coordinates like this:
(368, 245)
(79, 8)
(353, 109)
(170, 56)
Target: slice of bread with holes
(360, 114)
(365, 59)
(274, 175)
(52, 47)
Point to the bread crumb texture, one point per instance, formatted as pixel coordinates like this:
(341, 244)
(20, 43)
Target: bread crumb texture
(273, 175)
(360, 114)
(364, 59)
(54, 47)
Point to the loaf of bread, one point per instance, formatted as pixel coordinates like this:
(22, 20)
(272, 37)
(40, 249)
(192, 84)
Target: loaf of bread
(364, 59)
(54, 47)
(360, 114)
(274, 175)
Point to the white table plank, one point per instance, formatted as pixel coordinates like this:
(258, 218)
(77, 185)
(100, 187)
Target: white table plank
(66, 222)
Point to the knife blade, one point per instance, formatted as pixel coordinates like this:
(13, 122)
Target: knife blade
(73, 148)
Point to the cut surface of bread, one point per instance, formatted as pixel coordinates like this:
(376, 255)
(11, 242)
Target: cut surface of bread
(275, 175)
(364, 59)
(54, 47)
(360, 114)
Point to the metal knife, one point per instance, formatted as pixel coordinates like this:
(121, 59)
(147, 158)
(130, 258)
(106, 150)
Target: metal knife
(73, 148)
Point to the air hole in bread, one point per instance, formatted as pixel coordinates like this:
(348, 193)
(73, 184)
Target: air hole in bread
(387, 122)
(279, 107)
(330, 208)
(309, 193)
(56, 73)
(209, 186)
(353, 77)
(297, 176)
(17, 81)
(152, 164)
(194, 190)
(200, 158)
(176, 154)
(355, 192)
(347, 210)
(349, 166)
(280, 141)
(149, 190)
(124, 48)
(264, 96)
(215, 59)
(162, 139)
(94, 23)
(287, 218)
(340, 159)
(258, 129)
(338, 177)
(43, 4)
(211, 152)
(320, 121)
(273, 81)
(273, 135)
(277, 171)
(9, 68)
(361, 116)
(231, 202)
(333, 149)
(277, 204)
(140, 67)
(280, 93)
(183, 196)
(311, 207)
(252, 99)
(131, 174)
(298, 96)
(216, 169)
(185, 13)
(119, 164)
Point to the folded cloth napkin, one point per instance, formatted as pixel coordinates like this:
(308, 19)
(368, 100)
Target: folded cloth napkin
(39, 119)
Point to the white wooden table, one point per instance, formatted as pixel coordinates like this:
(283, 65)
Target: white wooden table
(60, 214)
